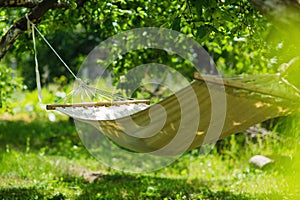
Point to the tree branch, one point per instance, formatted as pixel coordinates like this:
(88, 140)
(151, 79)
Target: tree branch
(18, 3)
(21, 25)
(28, 3)
(34, 16)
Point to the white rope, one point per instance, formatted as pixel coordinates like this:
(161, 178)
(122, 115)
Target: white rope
(81, 84)
(46, 41)
(290, 84)
(37, 72)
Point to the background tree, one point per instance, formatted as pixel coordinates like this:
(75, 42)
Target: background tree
(234, 33)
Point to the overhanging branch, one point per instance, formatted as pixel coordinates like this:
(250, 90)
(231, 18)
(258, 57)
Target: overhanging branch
(34, 16)
(28, 3)
(19, 3)
(21, 25)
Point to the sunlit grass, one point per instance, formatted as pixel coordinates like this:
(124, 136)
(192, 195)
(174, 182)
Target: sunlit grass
(39, 160)
(43, 159)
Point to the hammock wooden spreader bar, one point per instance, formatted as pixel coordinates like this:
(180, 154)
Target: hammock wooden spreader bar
(96, 104)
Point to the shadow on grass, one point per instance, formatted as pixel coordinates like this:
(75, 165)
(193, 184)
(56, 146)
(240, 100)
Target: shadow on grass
(26, 193)
(54, 137)
(20, 193)
(126, 186)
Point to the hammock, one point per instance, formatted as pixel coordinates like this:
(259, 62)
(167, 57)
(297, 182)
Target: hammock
(209, 109)
(248, 102)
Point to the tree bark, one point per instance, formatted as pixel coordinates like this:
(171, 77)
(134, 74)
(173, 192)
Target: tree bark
(28, 4)
(18, 3)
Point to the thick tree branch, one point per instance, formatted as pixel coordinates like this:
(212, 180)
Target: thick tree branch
(21, 25)
(34, 16)
(19, 3)
(28, 3)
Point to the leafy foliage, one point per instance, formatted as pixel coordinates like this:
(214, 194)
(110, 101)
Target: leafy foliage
(232, 31)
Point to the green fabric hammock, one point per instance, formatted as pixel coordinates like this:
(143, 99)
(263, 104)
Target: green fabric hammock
(249, 100)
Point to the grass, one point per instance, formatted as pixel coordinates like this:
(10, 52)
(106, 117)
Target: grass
(42, 159)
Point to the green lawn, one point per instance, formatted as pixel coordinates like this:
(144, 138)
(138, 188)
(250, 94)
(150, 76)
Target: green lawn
(46, 160)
